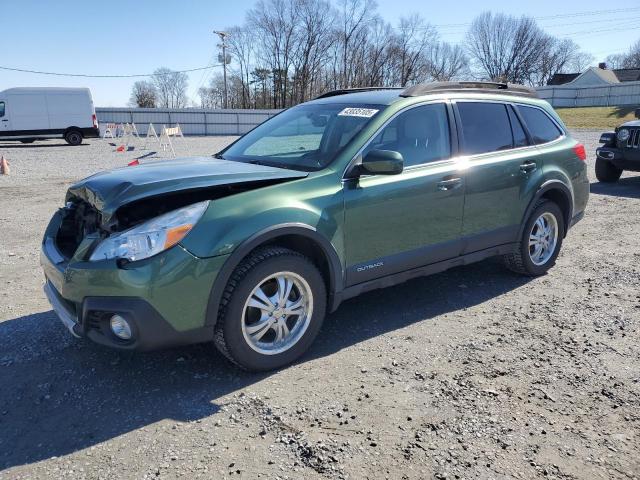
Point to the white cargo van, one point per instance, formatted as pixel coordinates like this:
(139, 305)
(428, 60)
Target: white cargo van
(29, 114)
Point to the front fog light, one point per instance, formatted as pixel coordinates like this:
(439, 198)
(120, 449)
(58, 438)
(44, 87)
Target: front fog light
(120, 327)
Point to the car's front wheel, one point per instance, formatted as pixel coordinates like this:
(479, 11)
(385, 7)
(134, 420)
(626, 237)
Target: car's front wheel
(272, 309)
(606, 171)
(541, 241)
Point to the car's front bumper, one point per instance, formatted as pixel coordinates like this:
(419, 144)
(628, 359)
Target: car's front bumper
(164, 298)
(625, 159)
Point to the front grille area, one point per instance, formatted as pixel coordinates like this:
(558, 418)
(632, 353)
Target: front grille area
(634, 139)
(80, 219)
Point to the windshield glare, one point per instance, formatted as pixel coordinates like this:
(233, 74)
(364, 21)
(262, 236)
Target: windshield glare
(306, 137)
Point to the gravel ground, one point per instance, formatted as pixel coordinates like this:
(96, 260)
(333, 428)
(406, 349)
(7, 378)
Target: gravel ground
(471, 373)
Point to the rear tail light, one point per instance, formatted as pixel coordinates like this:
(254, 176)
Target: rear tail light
(95, 120)
(580, 151)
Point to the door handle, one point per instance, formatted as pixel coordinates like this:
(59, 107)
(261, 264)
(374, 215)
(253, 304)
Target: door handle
(5, 120)
(449, 184)
(528, 167)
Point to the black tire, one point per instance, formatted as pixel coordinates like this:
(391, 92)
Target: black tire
(28, 140)
(607, 172)
(520, 260)
(73, 137)
(260, 264)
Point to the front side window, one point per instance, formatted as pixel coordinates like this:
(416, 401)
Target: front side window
(485, 127)
(307, 137)
(541, 127)
(420, 134)
(1, 109)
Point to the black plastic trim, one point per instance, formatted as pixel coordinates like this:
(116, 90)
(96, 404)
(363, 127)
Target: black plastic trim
(264, 236)
(544, 188)
(402, 277)
(400, 262)
(150, 330)
(89, 132)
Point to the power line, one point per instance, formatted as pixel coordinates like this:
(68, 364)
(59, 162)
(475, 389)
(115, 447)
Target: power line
(551, 17)
(84, 75)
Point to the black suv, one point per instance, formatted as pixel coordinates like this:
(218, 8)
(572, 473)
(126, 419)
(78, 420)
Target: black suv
(620, 151)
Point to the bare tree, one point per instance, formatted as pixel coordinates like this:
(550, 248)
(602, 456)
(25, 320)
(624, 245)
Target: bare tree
(579, 62)
(171, 88)
(615, 61)
(314, 38)
(241, 48)
(410, 44)
(446, 62)
(555, 58)
(506, 48)
(143, 95)
(275, 22)
(632, 58)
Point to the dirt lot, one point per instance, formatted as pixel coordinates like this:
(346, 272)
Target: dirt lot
(472, 373)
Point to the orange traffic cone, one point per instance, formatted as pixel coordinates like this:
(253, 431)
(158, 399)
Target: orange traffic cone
(133, 163)
(120, 148)
(4, 165)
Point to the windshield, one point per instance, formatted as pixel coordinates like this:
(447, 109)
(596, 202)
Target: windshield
(306, 137)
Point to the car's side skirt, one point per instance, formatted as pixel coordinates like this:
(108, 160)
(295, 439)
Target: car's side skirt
(402, 277)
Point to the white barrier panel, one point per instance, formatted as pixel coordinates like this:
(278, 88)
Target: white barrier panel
(165, 137)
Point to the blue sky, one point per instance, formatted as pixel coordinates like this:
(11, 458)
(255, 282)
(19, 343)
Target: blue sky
(137, 36)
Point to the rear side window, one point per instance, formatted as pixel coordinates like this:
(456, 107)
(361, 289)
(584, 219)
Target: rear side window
(485, 127)
(541, 127)
(1, 109)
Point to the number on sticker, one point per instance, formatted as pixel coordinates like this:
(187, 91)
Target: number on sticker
(358, 112)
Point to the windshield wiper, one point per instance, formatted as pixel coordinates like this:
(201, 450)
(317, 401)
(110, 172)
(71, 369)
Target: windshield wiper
(218, 155)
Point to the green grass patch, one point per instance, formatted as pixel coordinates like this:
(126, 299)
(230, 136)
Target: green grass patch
(601, 118)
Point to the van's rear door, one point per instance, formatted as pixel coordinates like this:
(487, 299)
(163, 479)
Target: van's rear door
(5, 121)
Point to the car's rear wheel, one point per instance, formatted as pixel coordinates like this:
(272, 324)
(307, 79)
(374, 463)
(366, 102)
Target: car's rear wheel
(73, 137)
(541, 241)
(606, 171)
(272, 309)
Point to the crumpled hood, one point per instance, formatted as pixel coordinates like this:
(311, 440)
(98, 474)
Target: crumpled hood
(109, 190)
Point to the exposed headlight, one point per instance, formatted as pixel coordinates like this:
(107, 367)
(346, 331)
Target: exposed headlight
(152, 236)
(623, 135)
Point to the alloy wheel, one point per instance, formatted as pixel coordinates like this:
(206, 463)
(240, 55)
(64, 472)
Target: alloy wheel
(277, 313)
(543, 238)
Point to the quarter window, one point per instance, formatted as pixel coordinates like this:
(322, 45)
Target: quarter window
(421, 135)
(541, 127)
(1, 109)
(485, 127)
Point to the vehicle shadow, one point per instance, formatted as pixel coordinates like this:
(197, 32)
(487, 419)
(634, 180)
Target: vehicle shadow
(38, 145)
(628, 187)
(59, 395)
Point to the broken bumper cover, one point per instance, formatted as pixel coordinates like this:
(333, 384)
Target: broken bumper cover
(164, 298)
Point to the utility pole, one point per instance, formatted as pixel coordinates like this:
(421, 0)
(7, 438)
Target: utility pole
(222, 36)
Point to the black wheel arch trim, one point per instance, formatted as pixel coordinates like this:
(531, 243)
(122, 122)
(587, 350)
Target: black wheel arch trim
(336, 271)
(546, 187)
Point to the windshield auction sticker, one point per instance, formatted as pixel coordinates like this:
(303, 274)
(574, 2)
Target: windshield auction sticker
(358, 112)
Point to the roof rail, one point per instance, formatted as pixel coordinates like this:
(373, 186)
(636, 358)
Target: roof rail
(441, 87)
(344, 91)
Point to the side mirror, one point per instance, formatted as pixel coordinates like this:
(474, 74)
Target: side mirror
(637, 112)
(383, 162)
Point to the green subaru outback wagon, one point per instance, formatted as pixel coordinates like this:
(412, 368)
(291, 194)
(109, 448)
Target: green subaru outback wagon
(353, 191)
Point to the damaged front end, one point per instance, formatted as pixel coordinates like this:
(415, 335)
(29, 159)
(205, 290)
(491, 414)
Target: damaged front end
(83, 224)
